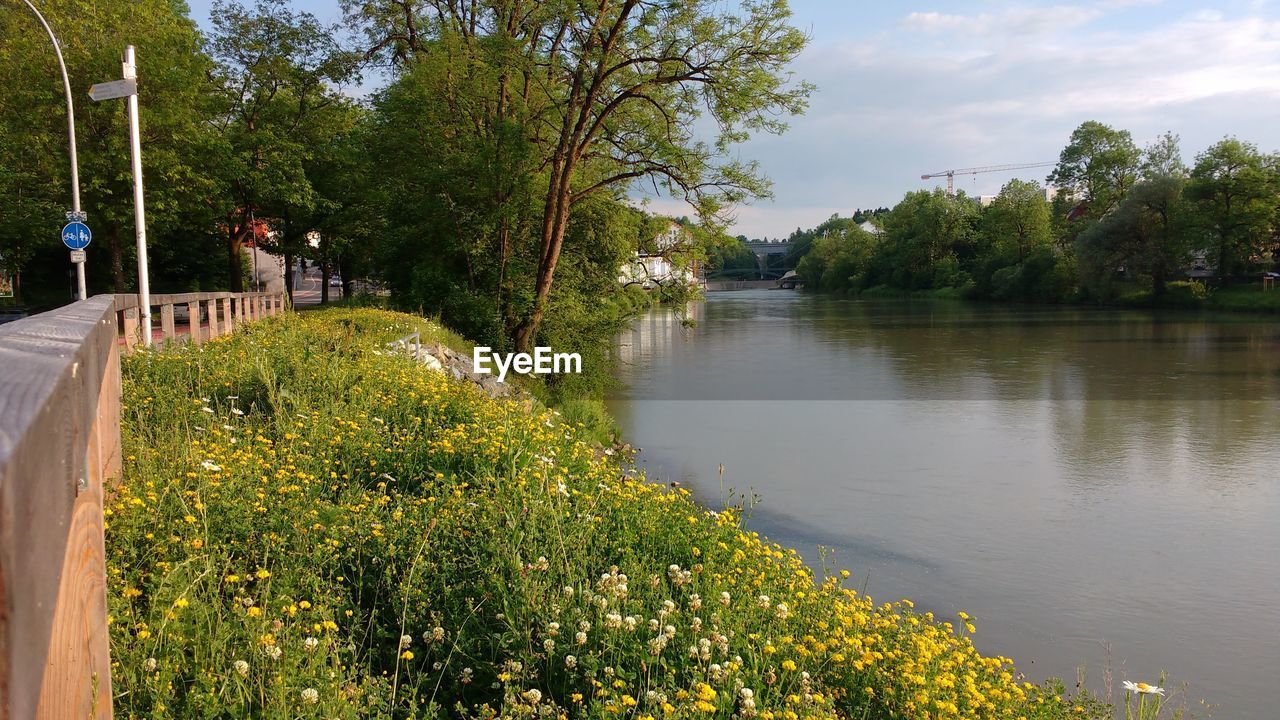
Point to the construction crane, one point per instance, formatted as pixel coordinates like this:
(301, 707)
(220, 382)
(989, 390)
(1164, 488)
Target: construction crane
(951, 174)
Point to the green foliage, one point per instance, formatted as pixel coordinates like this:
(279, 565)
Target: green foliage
(1098, 166)
(1233, 189)
(312, 526)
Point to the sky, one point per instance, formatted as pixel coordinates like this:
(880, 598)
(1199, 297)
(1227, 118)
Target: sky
(909, 88)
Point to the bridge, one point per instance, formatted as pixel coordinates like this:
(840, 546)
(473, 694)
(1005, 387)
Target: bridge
(762, 249)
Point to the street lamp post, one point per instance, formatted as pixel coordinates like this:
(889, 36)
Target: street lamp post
(76, 215)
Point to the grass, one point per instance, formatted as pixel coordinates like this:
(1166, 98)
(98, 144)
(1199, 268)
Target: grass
(312, 526)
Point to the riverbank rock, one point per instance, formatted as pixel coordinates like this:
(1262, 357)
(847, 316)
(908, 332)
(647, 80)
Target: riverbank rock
(457, 365)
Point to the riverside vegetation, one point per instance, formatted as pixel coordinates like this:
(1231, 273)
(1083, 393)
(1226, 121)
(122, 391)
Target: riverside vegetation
(311, 525)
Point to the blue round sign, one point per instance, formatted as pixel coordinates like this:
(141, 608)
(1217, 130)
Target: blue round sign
(76, 235)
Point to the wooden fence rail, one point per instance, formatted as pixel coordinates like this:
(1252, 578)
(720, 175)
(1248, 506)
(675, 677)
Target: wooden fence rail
(208, 314)
(59, 447)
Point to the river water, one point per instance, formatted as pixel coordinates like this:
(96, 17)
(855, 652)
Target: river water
(1100, 488)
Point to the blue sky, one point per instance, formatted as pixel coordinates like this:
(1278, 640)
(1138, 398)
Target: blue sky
(906, 88)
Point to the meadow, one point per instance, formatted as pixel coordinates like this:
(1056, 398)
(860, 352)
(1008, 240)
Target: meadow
(311, 525)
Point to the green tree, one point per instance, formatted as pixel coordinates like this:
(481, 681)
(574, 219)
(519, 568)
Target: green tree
(607, 91)
(280, 72)
(1097, 167)
(1017, 221)
(1146, 234)
(175, 102)
(929, 237)
(1234, 189)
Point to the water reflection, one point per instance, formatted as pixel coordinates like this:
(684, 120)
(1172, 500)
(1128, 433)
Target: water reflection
(1079, 479)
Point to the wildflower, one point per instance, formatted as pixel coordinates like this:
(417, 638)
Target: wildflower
(570, 661)
(724, 598)
(304, 605)
(580, 638)
(549, 645)
(237, 411)
(405, 641)
(274, 652)
(262, 574)
(533, 695)
(782, 611)
(211, 466)
(406, 655)
(1143, 688)
(149, 664)
(310, 643)
(310, 696)
(241, 667)
(466, 676)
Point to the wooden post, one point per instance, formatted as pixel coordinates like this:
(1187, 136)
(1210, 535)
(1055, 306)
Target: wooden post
(166, 322)
(131, 336)
(193, 321)
(228, 319)
(212, 305)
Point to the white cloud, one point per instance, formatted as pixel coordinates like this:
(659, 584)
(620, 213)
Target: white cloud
(933, 90)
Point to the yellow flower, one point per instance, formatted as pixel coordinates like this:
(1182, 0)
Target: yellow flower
(788, 665)
(304, 605)
(254, 611)
(406, 655)
(263, 574)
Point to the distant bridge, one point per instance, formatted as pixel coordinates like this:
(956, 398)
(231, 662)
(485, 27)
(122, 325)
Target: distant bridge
(763, 249)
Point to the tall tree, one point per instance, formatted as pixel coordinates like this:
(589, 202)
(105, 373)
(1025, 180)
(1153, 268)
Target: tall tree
(1234, 189)
(175, 100)
(1098, 165)
(1146, 234)
(1017, 221)
(608, 91)
(281, 72)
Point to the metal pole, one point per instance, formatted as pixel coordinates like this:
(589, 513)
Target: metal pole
(139, 215)
(71, 137)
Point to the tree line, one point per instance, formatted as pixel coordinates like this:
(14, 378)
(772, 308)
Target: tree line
(1117, 221)
(485, 177)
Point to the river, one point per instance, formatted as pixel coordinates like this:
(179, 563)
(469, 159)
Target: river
(1099, 488)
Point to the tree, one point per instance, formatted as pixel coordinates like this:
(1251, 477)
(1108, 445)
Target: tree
(1234, 190)
(1098, 165)
(928, 237)
(280, 73)
(1163, 158)
(607, 91)
(1146, 234)
(1017, 221)
(175, 99)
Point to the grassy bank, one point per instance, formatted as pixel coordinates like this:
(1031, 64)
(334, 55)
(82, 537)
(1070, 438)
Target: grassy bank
(311, 526)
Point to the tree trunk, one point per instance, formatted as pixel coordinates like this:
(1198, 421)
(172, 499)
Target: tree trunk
(235, 265)
(117, 256)
(289, 262)
(324, 283)
(555, 221)
(1158, 282)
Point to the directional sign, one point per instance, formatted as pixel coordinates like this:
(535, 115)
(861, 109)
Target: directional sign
(76, 236)
(77, 256)
(114, 89)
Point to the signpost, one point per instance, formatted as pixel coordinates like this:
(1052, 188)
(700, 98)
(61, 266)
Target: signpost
(76, 236)
(75, 215)
(128, 88)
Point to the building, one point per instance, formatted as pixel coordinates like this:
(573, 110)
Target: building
(661, 263)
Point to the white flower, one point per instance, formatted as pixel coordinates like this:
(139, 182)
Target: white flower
(241, 667)
(310, 643)
(274, 652)
(149, 664)
(549, 645)
(237, 411)
(580, 638)
(1143, 688)
(210, 466)
(405, 641)
(534, 696)
(310, 696)
(570, 661)
(724, 598)
(782, 611)
(207, 409)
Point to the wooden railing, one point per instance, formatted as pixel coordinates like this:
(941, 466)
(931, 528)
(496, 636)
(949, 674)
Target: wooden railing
(221, 311)
(59, 447)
